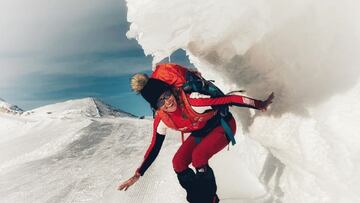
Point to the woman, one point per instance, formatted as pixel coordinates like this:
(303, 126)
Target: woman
(195, 113)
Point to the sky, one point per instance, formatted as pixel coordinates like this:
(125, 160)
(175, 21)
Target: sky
(53, 51)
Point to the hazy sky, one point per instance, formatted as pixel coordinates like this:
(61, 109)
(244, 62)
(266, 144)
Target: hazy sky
(52, 51)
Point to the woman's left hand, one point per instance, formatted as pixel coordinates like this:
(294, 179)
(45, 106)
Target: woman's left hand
(125, 185)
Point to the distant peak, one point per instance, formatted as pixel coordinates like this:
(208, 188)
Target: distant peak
(88, 106)
(9, 108)
(105, 109)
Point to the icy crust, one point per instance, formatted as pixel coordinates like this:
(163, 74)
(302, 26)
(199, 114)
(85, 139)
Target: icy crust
(9, 108)
(162, 27)
(89, 107)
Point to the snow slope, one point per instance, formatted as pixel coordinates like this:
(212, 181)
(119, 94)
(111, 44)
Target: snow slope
(75, 155)
(78, 152)
(305, 149)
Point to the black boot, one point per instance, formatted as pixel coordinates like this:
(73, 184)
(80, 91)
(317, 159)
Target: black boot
(206, 185)
(187, 180)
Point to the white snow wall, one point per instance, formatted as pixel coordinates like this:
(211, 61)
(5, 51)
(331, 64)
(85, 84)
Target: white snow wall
(307, 52)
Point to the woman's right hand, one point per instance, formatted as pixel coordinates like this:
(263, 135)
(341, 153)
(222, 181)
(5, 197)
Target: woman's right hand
(267, 102)
(125, 185)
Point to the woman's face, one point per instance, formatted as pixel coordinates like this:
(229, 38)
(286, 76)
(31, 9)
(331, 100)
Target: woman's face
(168, 101)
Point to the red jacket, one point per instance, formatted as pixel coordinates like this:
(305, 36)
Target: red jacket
(199, 103)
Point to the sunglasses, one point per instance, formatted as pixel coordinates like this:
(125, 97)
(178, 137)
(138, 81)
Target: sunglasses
(161, 101)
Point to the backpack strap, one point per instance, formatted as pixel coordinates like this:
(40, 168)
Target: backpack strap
(228, 131)
(199, 84)
(197, 140)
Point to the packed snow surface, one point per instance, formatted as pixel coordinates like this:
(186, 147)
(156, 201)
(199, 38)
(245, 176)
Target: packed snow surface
(306, 147)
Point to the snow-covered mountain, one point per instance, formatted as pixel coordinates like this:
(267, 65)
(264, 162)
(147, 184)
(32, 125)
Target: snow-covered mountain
(9, 108)
(90, 107)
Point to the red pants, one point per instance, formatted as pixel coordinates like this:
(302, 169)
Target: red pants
(199, 154)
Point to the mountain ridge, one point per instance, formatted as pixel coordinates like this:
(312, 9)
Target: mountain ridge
(88, 106)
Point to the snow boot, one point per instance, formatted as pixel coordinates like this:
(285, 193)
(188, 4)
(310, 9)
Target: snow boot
(187, 180)
(206, 185)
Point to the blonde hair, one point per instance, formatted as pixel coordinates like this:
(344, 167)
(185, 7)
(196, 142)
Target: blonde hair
(138, 82)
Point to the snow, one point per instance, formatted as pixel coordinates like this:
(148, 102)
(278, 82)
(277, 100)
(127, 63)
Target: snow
(56, 157)
(304, 149)
(75, 155)
(61, 157)
(84, 159)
